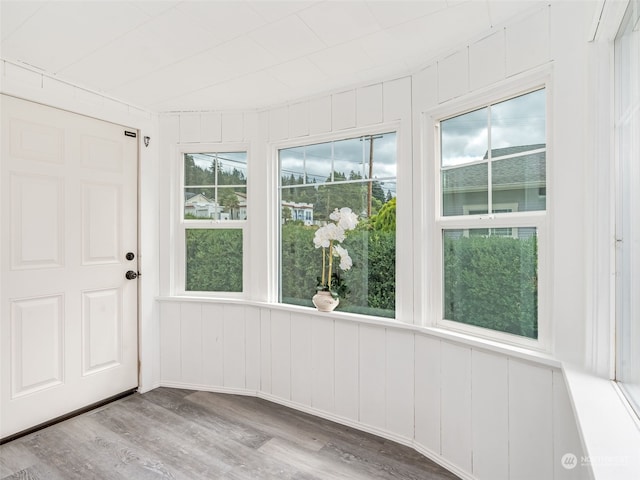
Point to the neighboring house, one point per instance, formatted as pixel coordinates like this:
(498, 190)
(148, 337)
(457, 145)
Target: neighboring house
(197, 205)
(518, 179)
(300, 211)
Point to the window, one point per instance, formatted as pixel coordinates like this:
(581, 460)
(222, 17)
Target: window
(627, 128)
(358, 173)
(213, 219)
(492, 170)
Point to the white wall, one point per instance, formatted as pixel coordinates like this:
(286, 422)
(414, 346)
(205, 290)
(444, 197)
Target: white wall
(482, 411)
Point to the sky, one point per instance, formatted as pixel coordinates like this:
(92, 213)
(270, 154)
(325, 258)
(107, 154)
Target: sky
(348, 155)
(518, 121)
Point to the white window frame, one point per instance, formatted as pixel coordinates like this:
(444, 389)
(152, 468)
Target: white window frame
(335, 136)
(437, 223)
(182, 224)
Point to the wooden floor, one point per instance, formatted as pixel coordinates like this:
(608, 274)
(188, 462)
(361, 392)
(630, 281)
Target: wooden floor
(182, 434)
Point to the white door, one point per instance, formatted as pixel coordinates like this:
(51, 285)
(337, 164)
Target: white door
(68, 329)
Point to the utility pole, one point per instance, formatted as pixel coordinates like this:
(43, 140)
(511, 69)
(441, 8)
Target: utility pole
(370, 189)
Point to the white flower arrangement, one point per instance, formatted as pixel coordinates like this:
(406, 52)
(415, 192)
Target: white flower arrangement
(328, 238)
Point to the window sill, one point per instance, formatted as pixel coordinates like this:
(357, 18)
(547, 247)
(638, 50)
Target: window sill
(470, 341)
(609, 430)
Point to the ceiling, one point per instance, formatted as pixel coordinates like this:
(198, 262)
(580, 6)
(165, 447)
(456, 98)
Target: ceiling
(241, 54)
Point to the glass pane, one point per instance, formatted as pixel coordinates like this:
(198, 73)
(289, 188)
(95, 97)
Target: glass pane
(490, 281)
(318, 163)
(200, 204)
(297, 204)
(203, 174)
(292, 166)
(232, 168)
(199, 169)
(213, 260)
(233, 203)
(464, 138)
(349, 157)
(384, 156)
(368, 287)
(465, 190)
(520, 182)
(518, 124)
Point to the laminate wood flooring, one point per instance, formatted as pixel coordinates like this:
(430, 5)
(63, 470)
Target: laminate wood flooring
(183, 434)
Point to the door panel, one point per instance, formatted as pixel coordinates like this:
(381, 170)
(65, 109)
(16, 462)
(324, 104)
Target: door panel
(68, 332)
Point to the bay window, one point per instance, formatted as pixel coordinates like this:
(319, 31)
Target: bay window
(491, 203)
(315, 179)
(212, 221)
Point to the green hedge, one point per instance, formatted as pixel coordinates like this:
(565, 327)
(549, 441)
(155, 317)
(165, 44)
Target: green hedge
(214, 260)
(491, 282)
(369, 286)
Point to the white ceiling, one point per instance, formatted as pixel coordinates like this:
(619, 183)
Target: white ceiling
(241, 54)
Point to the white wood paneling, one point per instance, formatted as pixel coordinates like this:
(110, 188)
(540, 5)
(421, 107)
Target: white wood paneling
(487, 60)
(322, 364)
(234, 346)
(453, 75)
(369, 105)
(396, 99)
(490, 416)
(427, 392)
(346, 370)
(424, 89)
(320, 115)
(399, 376)
(211, 127)
(527, 42)
(299, 119)
(233, 127)
(190, 128)
(171, 355)
(252, 347)
(191, 343)
(265, 350)
(373, 389)
(456, 405)
(279, 124)
(530, 421)
(476, 411)
(212, 340)
(281, 354)
(343, 106)
(301, 378)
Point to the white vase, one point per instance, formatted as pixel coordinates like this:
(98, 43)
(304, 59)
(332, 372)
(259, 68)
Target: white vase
(324, 301)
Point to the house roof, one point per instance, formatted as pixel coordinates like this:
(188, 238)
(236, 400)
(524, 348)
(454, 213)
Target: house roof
(512, 168)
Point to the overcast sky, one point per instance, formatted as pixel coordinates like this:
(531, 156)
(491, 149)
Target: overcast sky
(518, 121)
(348, 155)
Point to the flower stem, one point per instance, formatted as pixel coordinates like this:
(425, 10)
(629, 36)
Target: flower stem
(323, 264)
(330, 263)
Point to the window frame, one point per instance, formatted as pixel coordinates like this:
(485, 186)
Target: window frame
(182, 224)
(333, 136)
(437, 223)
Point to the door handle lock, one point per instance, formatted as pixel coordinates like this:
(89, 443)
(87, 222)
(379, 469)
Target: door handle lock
(131, 275)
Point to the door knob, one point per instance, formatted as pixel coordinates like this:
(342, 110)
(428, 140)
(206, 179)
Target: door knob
(131, 275)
